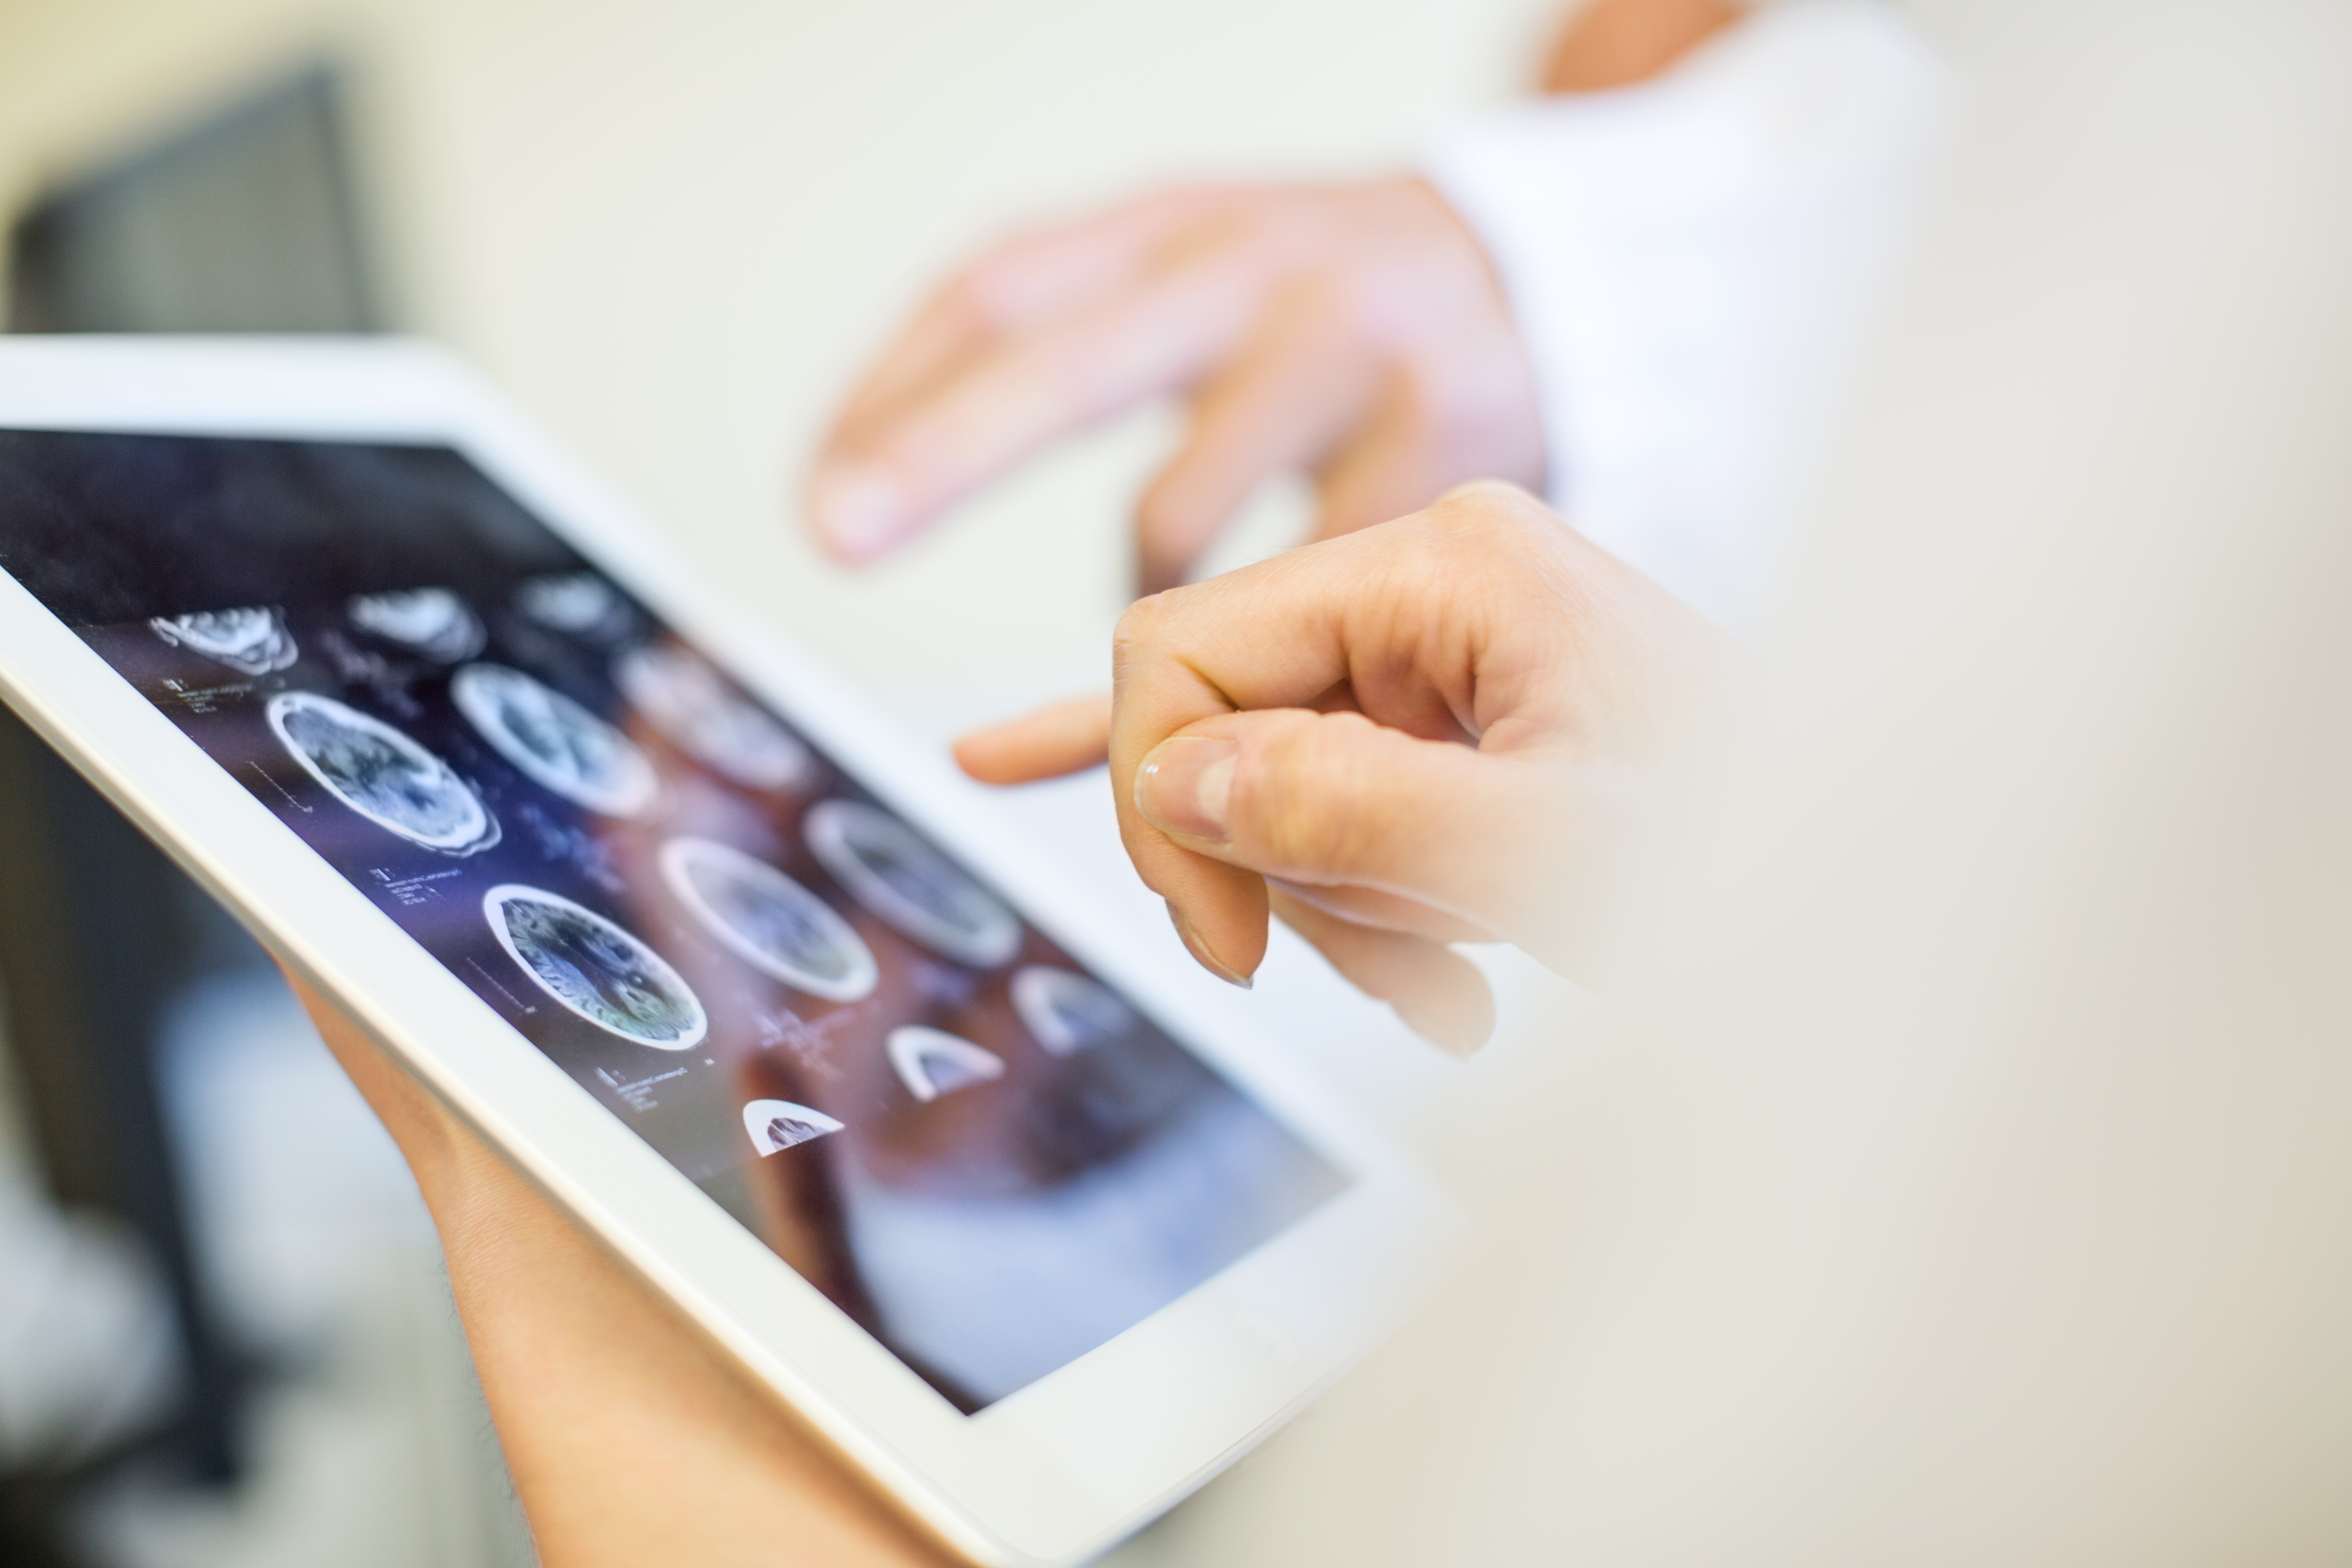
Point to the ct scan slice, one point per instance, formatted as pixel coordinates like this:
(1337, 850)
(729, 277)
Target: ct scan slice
(910, 884)
(1066, 1013)
(769, 921)
(594, 968)
(250, 641)
(433, 622)
(932, 1062)
(556, 743)
(776, 1125)
(381, 773)
(694, 706)
(579, 603)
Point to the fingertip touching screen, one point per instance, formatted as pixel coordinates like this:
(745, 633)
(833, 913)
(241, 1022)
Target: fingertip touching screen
(983, 1153)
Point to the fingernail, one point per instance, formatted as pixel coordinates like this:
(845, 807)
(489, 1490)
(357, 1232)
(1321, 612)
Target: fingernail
(1500, 490)
(859, 509)
(1456, 1039)
(1186, 785)
(1201, 954)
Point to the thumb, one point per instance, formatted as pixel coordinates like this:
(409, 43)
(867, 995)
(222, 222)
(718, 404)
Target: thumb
(1336, 800)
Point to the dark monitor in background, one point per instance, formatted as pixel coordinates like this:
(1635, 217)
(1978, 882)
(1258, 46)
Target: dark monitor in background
(246, 222)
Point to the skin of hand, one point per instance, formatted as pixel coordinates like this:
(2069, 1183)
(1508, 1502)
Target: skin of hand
(630, 1441)
(1355, 332)
(1418, 734)
(1610, 44)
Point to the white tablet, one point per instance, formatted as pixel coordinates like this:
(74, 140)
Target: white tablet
(763, 995)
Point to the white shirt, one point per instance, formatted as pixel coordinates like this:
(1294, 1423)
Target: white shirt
(1692, 263)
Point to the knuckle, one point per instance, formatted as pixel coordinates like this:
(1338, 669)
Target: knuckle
(1140, 620)
(1141, 626)
(1492, 518)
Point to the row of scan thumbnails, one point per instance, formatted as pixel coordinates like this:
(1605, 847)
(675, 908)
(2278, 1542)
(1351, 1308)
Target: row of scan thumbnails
(592, 966)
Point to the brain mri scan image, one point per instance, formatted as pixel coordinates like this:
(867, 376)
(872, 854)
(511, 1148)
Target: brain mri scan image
(776, 1125)
(1066, 1013)
(250, 641)
(594, 968)
(769, 921)
(912, 886)
(580, 604)
(706, 718)
(554, 742)
(431, 621)
(932, 1062)
(381, 773)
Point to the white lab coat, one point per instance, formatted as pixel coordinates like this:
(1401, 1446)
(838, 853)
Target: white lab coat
(1693, 263)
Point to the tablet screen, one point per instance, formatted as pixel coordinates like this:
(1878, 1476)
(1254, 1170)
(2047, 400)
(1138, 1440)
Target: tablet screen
(983, 1153)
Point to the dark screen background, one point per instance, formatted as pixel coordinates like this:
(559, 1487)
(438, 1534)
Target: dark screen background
(988, 1234)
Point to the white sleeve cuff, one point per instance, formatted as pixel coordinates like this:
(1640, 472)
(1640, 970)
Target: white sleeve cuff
(1692, 263)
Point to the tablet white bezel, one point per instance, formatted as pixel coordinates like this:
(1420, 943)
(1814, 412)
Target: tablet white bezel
(1050, 1474)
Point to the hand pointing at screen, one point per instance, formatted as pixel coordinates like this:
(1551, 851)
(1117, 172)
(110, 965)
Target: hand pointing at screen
(1355, 331)
(1417, 735)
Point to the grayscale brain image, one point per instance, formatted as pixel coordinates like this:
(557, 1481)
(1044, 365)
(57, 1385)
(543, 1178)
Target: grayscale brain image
(381, 773)
(595, 969)
(983, 1154)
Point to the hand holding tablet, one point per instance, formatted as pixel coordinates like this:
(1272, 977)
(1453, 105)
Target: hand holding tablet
(630, 1442)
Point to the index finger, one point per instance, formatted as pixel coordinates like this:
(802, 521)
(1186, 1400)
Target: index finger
(1034, 279)
(1009, 399)
(1437, 626)
(1272, 636)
